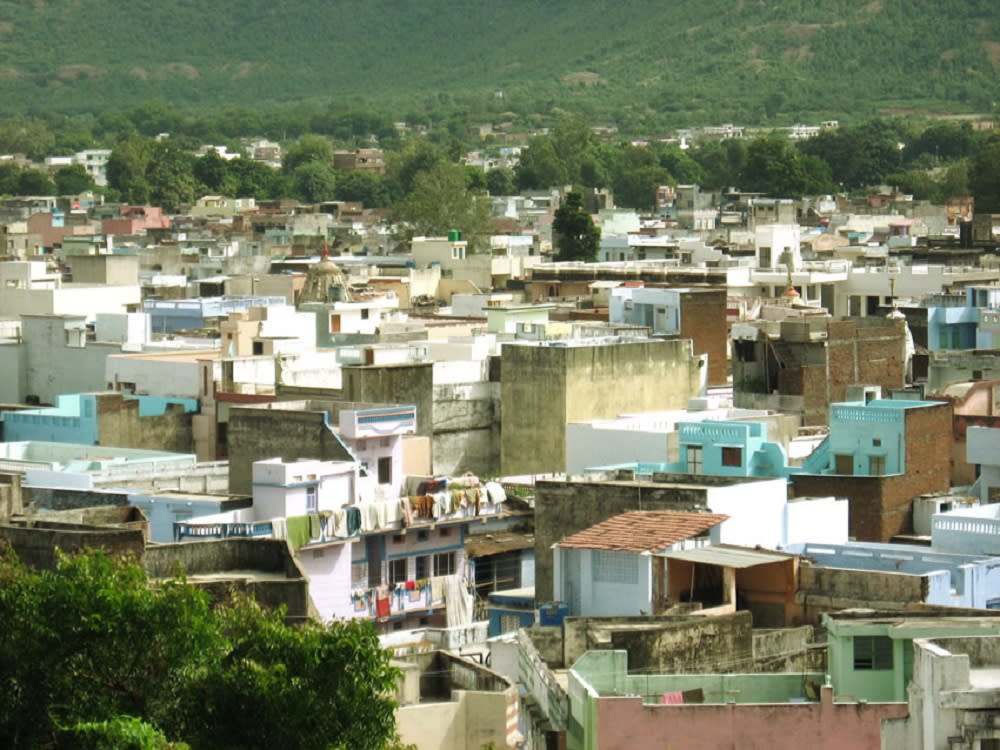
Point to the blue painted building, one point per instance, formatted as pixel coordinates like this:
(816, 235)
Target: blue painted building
(76, 418)
(168, 316)
(964, 321)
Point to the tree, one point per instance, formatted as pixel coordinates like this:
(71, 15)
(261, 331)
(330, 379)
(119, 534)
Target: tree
(402, 167)
(93, 654)
(308, 148)
(576, 236)
(500, 181)
(170, 175)
(34, 182)
(984, 177)
(540, 165)
(365, 187)
(73, 180)
(127, 167)
(314, 181)
(441, 200)
(10, 175)
(211, 170)
(247, 178)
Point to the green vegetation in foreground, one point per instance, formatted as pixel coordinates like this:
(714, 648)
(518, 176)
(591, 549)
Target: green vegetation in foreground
(94, 655)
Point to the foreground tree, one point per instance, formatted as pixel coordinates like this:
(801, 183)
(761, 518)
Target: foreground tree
(92, 649)
(576, 236)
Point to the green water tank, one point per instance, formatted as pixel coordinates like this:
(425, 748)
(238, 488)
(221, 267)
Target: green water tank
(454, 235)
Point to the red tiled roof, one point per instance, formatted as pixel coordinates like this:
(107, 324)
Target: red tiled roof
(643, 530)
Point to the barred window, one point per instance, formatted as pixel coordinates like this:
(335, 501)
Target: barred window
(616, 567)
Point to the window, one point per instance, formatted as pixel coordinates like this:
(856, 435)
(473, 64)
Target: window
(422, 535)
(732, 456)
(364, 313)
(258, 347)
(359, 575)
(444, 563)
(872, 652)
(445, 531)
(843, 463)
(694, 459)
(397, 571)
(877, 442)
(421, 571)
(876, 465)
(615, 567)
(765, 257)
(385, 470)
(509, 623)
(312, 504)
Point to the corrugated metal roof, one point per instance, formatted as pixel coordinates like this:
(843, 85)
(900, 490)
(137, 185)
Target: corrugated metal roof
(642, 531)
(729, 556)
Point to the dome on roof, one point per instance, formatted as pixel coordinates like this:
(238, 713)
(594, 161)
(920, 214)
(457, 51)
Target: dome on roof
(324, 283)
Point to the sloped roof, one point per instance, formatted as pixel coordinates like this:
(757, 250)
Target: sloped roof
(642, 531)
(730, 556)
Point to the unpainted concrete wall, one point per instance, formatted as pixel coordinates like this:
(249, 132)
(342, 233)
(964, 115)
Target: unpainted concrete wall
(832, 589)
(119, 425)
(544, 387)
(257, 434)
(36, 547)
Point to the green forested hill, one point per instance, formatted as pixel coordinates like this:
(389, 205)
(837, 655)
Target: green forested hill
(633, 62)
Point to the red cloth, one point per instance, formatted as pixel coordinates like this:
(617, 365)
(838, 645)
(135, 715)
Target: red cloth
(672, 698)
(382, 607)
(410, 585)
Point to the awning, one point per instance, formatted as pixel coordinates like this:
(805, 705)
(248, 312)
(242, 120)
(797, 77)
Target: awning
(729, 557)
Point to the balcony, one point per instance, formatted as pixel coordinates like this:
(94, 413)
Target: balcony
(204, 531)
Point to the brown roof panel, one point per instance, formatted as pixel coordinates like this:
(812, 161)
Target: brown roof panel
(643, 530)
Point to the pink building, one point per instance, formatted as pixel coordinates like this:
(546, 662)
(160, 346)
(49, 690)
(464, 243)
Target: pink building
(611, 709)
(136, 220)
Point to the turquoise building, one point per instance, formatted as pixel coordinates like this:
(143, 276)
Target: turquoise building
(75, 418)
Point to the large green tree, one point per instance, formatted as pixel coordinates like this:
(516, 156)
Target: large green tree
(73, 180)
(92, 649)
(576, 237)
(440, 201)
(984, 177)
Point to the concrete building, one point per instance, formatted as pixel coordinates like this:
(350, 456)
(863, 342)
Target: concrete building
(144, 422)
(756, 509)
(612, 567)
(448, 703)
(86, 466)
(892, 576)
(880, 455)
(654, 437)
(686, 313)
(611, 707)
(871, 653)
(543, 387)
(28, 289)
(57, 354)
(954, 696)
(169, 316)
(323, 430)
(802, 365)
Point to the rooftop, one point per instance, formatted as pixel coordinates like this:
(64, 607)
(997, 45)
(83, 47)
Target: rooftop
(641, 531)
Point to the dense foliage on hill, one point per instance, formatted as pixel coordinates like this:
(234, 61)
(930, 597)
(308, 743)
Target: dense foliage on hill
(637, 63)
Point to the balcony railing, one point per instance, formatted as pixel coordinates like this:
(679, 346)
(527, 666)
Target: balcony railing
(183, 531)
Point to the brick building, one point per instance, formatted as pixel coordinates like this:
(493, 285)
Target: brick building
(804, 364)
(880, 456)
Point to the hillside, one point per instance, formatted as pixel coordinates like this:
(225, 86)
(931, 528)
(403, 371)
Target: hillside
(707, 59)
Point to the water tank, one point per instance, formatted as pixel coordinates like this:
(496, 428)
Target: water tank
(454, 235)
(552, 613)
